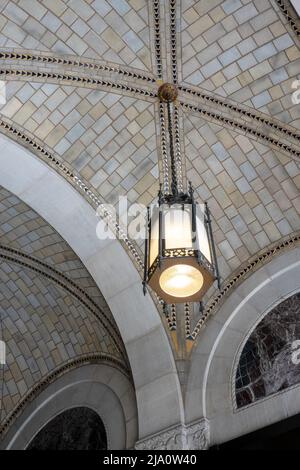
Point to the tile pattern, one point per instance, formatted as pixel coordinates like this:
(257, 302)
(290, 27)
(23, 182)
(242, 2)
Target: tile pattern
(252, 191)
(43, 324)
(73, 63)
(21, 228)
(43, 327)
(243, 50)
(115, 31)
(117, 149)
(109, 139)
(79, 361)
(247, 269)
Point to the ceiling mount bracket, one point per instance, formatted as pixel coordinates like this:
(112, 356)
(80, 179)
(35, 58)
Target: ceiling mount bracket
(167, 92)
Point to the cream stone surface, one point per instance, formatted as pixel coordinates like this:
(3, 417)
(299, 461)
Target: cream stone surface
(76, 222)
(218, 353)
(99, 387)
(82, 125)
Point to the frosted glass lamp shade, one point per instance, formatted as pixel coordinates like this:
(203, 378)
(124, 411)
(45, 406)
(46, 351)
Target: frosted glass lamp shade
(179, 258)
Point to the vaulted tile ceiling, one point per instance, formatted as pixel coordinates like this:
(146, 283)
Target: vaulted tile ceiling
(82, 80)
(51, 310)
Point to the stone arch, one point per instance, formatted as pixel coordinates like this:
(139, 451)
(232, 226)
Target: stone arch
(100, 387)
(212, 375)
(152, 363)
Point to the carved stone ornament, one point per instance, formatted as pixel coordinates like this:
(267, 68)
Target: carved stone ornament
(194, 436)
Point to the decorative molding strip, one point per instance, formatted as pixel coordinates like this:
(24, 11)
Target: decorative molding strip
(162, 115)
(286, 9)
(173, 318)
(164, 152)
(194, 436)
(74, 80)
(187, 320)
(207, 114)
(254, 264)
(177, 141)
(96, 358)
(22, 138)
(30, 142)
(248, 113)
(173, 40)
(228, 122)
(170, 314)
(83, 81)
(157, 38)
(95, 82)
(197, 435)
(174, 77)
(48, 271)
(86, 64)
(19, 136)
(170, 439)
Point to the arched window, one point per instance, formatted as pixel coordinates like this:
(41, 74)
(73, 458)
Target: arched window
(74, 429)
(267, 364)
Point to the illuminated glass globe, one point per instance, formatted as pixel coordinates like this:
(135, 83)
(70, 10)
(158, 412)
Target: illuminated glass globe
(181, 280)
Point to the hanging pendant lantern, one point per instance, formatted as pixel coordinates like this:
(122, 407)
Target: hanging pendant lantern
(180, 257)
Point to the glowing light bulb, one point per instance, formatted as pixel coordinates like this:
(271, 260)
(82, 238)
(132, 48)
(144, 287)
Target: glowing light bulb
(181, 280)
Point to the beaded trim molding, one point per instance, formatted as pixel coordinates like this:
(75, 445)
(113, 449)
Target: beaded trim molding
(96, 358)
(78, 80)
(162, 115)
(174, 74)
(26, 140)
(48, 271)
(19, 136)
(208, 114)
(173, 40)
(187, 320)
(170, 314)
(163, 147)
(244, 272)
(85, 64)
(22, 138)
(79, 72)
(228, 122)
(248, 113)
(288, 11)
(157, 38)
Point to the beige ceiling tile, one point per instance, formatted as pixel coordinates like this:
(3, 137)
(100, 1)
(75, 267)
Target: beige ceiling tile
(218, 79)
(55, 135)
(252, 199)
(293, 53)
(226, 138)
(217, 14)
(190, 16)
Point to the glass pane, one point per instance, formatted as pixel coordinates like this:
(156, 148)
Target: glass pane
(178, 226)
(78, 428)
(153, 245)
(201, 233)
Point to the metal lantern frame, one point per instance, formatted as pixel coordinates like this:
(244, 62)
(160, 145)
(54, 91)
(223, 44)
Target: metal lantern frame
(192, 255)
(167, 256)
